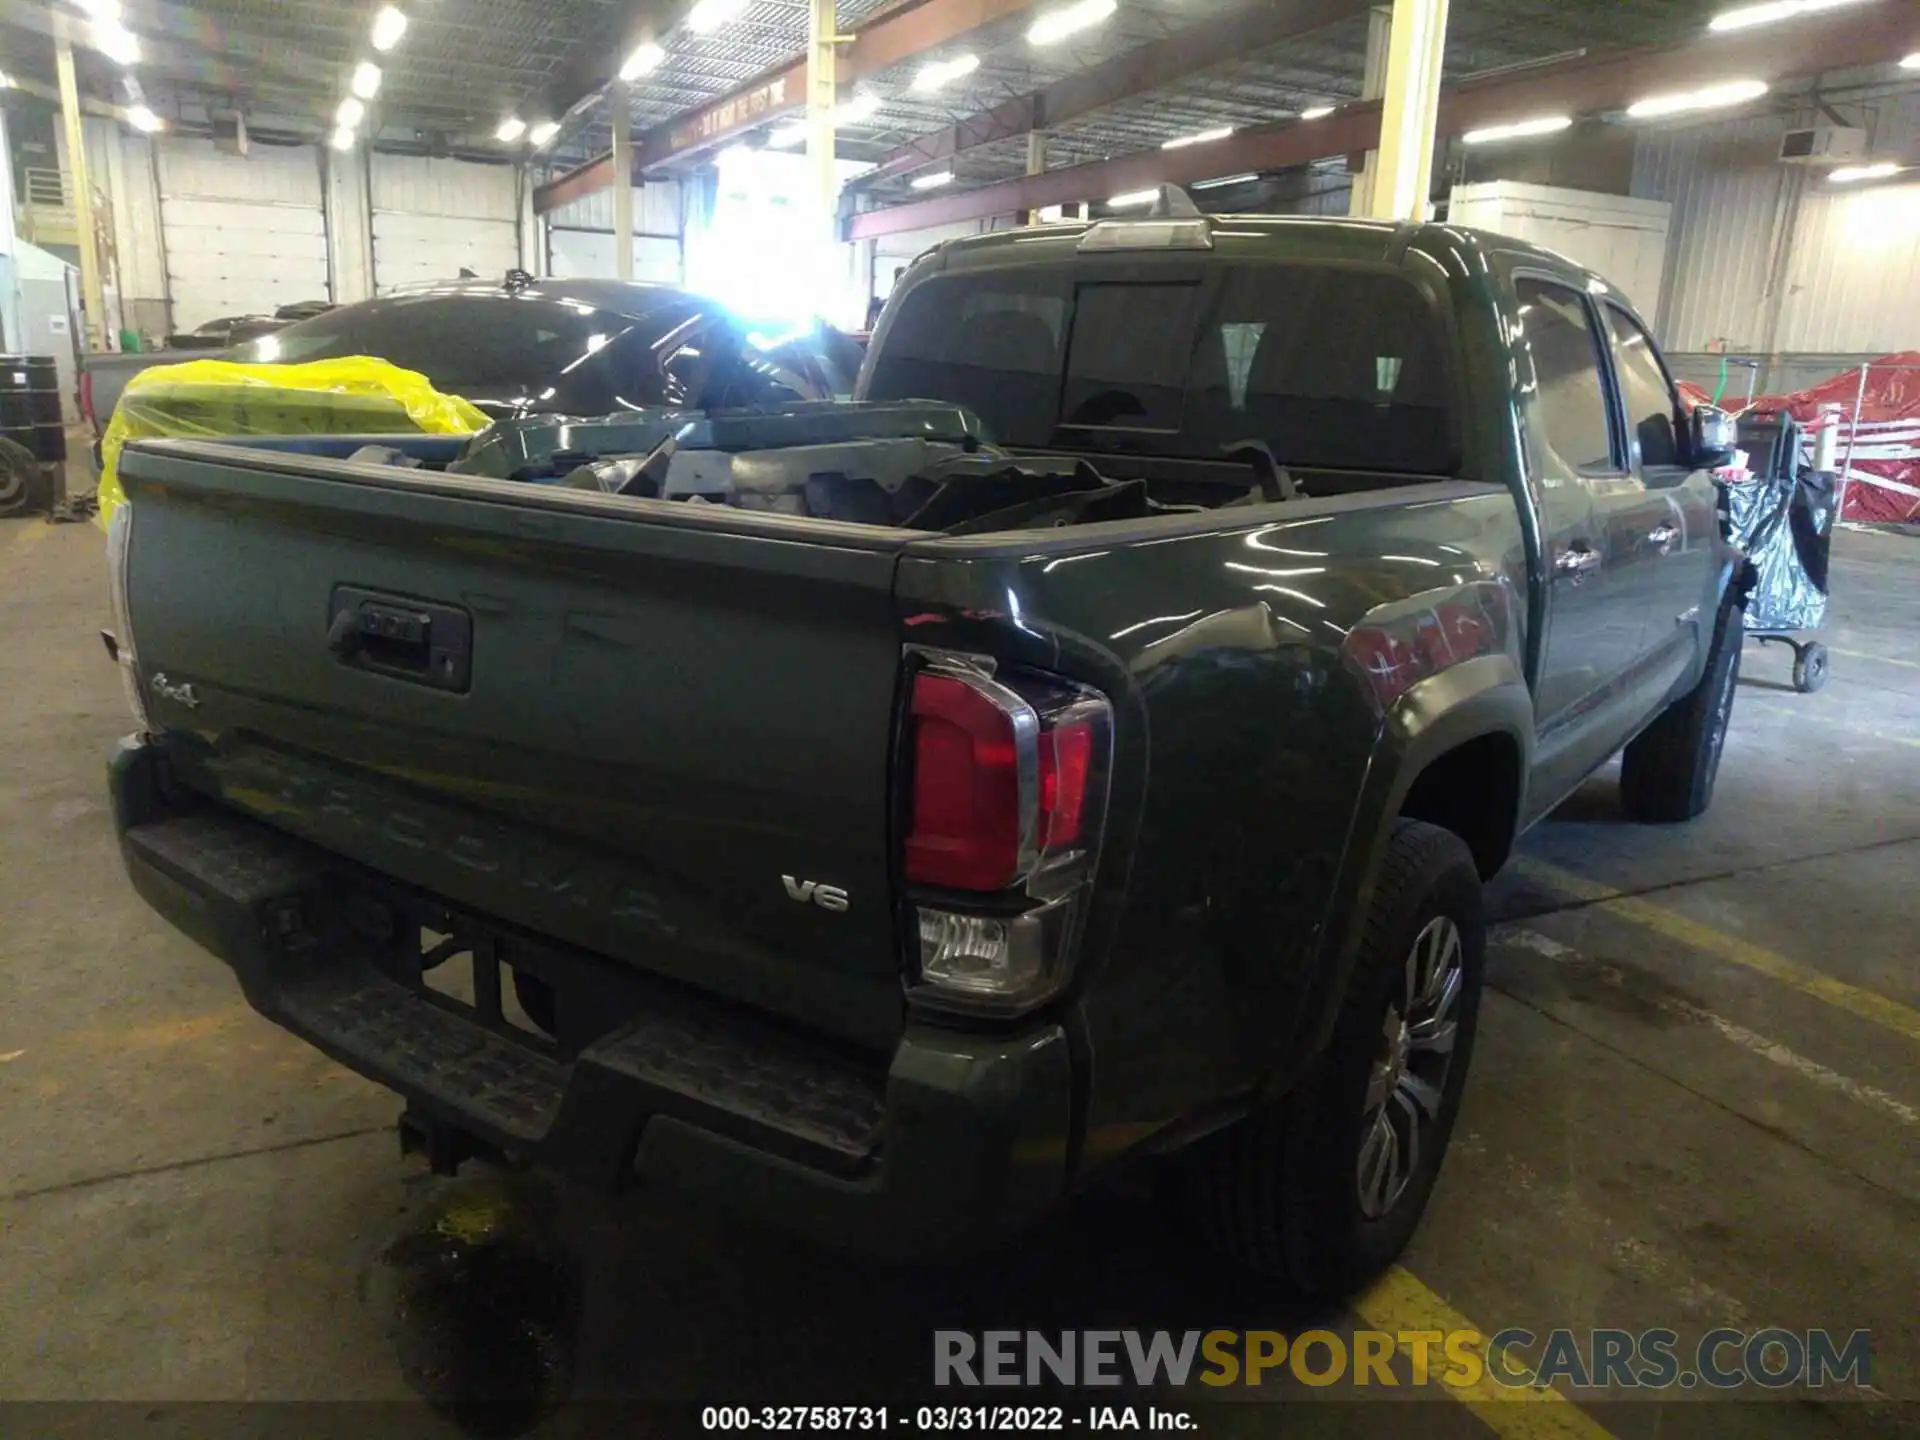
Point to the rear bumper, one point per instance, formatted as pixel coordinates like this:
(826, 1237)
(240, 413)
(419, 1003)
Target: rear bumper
(956, 1142)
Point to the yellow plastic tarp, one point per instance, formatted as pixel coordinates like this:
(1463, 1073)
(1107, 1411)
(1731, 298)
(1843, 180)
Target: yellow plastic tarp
(208, 399)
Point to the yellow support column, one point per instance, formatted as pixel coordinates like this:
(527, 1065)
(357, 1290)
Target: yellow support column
(91, 295)
(1373, 84)
(1412, 103)
(822, 97)
(621, 99)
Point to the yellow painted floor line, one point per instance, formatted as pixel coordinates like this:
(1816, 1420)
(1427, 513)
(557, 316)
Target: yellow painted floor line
(1877, 659)
(30, 532)
(1398, 1302)
(1867, 1004)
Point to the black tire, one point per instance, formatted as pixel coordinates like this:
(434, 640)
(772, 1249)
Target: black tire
(1810, 668)
(1281, 1191)
(1667, 772)
(20, 479)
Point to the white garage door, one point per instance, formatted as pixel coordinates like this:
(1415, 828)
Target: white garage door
(580, 254)
(245, 234)
(433, 218)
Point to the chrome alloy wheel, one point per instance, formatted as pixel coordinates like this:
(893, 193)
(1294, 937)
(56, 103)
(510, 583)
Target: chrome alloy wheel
(1409, 1075)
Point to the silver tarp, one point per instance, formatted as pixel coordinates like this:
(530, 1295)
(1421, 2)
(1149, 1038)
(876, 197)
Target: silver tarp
(1784, 596)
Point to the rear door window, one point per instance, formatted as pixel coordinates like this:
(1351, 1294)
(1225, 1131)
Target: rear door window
(1652, 402)
(1569, 410)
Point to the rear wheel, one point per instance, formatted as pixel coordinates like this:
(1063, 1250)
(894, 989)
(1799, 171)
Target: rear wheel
(1322, 1190)
(1668, 772)
(20, 481)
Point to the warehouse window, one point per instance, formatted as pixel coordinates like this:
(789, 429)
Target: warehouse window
(1569, 411)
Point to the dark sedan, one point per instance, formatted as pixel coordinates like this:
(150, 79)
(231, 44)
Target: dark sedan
(523, 346)
(568, 347)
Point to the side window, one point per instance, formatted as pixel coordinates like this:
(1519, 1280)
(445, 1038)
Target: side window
(1652, 403)
(1568, 417)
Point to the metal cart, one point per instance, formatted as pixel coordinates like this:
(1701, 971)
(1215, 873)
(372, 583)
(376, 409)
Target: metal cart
(1783, 518)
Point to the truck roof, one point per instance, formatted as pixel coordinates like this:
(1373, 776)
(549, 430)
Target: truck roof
(1251, 236)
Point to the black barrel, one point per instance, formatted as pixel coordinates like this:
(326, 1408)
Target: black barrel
(30, 405)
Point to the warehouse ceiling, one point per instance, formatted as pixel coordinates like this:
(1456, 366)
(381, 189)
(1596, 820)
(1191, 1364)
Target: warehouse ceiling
(463, 64)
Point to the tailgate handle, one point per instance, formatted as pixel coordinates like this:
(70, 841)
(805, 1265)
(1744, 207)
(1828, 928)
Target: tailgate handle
(401, 637)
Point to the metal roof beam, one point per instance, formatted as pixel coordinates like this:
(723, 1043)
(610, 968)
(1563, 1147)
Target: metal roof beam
(908, 29)
(1235, 34)
(1595, 82)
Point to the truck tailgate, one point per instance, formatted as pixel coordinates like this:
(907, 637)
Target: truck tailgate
(663, 734)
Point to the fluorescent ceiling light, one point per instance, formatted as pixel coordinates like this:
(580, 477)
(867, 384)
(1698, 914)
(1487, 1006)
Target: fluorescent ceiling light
(1318, 112)
(543, 132)
(785, 137)
(1220, 132)
(350, 113)
(1912, 62)
(1132, 198)
(1772, 12)
(342, 137)
(511, 129)
(1734, 92)
(1224, 180)
(933, 181)
(1069, 20)
(141, 118)
(709, 15)
(944, 72)
(388, 26)
(6, 81)
(1847, 174)
(1545, 125)
(108, 10)
(115, 41)
(366, 80)
(643, 59)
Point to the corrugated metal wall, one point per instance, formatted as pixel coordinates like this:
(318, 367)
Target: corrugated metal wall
(121, 165)
(656, 210)
(1766, 256)
(433, 217)
(580, 235)
(244, 234)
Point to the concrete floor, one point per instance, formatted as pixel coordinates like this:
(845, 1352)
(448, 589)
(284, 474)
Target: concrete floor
(1676, 1118)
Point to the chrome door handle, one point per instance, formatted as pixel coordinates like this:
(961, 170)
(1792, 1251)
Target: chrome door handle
(1576, 562)
(1663, 535)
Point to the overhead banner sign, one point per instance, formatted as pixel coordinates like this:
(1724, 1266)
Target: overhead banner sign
(736, 112)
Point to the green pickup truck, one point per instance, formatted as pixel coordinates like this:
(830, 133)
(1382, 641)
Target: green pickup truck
(887, 818)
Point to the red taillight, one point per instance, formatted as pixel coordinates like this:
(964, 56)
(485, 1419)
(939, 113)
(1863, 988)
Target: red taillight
(965, 831)
(1066, 761)
(972, 826)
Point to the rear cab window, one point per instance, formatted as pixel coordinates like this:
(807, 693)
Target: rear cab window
(1333, 366)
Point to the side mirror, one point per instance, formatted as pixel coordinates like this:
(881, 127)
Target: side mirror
(1712, 437)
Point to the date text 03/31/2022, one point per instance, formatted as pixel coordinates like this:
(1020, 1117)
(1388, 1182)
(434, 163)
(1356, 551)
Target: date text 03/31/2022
(935, 1419)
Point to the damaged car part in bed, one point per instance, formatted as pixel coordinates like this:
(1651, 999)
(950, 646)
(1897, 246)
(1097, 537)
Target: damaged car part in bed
(891, 818)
